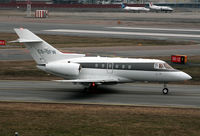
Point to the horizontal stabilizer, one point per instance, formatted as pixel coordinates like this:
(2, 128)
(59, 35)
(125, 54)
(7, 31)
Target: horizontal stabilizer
(26, 36)
(25, 41)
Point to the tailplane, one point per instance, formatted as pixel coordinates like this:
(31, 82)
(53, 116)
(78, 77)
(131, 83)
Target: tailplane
(41, 51)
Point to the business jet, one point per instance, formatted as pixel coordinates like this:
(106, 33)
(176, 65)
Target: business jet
(94, 71)
(135, 9)
(160, 8)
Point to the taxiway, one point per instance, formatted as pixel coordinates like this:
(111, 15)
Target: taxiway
(122, 94)
(105, 31)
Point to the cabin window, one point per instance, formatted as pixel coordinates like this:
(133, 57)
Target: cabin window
(116, 66)
(96, 65)
(129, 66)
(123, 66)
(109, 66)
(103, 65)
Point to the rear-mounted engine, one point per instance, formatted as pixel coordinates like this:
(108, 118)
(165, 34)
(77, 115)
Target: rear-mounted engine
(69, 69)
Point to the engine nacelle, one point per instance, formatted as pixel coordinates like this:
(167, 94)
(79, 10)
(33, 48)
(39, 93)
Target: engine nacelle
(64, 68)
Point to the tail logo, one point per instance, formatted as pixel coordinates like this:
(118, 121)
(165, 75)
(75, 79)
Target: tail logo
(46, 51)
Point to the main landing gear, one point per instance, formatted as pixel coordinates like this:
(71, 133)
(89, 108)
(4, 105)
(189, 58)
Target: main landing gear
(92, 87)
(165, 90)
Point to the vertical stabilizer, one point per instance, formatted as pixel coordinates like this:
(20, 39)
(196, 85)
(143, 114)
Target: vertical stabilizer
(122, 5)
(41, 51)
(150, 4)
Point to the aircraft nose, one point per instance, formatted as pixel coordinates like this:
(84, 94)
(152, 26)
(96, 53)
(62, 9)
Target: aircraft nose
(185, 76)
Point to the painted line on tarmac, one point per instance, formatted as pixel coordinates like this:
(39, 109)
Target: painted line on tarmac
(157, 29)
(122, 33)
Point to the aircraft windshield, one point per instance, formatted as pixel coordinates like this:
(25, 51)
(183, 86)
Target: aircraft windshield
(162, 66)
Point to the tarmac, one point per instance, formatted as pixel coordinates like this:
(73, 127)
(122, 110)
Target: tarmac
(187, 96)
(155, 33)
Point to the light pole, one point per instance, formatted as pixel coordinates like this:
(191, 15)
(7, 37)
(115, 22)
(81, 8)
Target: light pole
(28, 8)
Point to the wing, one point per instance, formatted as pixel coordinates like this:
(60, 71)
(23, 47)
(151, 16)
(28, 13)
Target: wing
(103, 80)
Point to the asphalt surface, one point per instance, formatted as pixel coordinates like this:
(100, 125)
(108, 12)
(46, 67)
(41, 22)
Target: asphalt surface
(126, 51)
(105, 31)
(123, 94)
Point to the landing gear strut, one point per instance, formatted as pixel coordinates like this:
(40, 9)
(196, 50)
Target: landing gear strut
(92, 86)
(165, 90)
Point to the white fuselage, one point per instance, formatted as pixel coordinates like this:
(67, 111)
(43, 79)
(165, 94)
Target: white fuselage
(122, 69)
(136, 8)
(160, 8)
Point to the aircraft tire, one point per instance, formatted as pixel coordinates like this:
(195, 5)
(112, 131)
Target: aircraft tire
(165, 91)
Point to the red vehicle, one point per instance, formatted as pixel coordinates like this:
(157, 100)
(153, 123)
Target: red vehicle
(2, 42)
(180, 59)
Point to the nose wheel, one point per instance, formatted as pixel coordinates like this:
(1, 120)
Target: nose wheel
(165, 90)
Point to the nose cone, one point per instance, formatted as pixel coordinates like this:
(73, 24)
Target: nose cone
(175, 76)
(179, 76)
(185, 76)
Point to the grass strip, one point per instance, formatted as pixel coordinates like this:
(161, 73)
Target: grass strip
(30, 119)
(23, 70)
(61, 41)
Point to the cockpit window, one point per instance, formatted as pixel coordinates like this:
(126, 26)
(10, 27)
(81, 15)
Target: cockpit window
(167, 66)
(156, 66)
(162, 66)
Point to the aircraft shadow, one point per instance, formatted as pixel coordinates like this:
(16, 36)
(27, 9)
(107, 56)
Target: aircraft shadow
(79, 94)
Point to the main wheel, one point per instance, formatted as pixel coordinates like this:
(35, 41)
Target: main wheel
(165, 91)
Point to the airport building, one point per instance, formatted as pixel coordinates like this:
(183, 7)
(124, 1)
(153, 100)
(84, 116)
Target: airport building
(104, 1)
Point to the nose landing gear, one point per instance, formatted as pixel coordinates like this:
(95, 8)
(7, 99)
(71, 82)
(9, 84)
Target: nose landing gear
(165, 90)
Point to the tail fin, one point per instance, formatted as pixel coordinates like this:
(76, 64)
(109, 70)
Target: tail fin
(122, 5)
(150, 4)
(41, 51)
